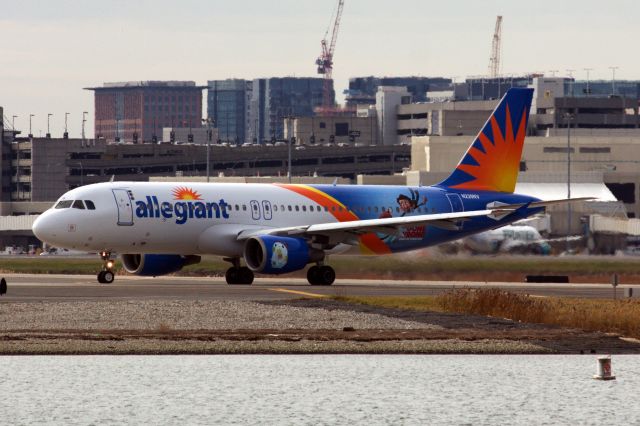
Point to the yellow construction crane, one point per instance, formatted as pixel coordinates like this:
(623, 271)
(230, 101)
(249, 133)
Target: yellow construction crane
(494, 60)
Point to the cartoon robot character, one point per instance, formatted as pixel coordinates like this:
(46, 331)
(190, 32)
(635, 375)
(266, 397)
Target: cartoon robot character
(279, 256)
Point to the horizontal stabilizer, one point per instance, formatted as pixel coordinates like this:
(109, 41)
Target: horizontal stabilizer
(536, 204)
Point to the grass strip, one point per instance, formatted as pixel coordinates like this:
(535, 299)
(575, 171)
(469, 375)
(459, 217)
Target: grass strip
(608, 316)
(353, 266)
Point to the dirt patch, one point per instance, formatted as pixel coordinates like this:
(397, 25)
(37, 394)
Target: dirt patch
(475, 327)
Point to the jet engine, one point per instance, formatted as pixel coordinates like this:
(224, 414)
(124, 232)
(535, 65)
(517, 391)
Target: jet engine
(152, 265)
(269, 254)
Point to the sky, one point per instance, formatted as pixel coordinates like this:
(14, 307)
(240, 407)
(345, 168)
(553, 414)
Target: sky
(53, 49)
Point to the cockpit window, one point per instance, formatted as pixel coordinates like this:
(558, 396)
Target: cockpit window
(90, 204)
(64, 204)
(78, 204)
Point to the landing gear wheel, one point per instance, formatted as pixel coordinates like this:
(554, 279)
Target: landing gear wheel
(312, 275)
(246, 276)
(321, 275)
(232, 275)
(105, 277)
(327, 275)
(239, 275)
(108, 277)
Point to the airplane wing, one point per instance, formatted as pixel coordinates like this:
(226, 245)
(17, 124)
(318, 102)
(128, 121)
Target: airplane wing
(386, 225)
(390, 226)
(537, 204)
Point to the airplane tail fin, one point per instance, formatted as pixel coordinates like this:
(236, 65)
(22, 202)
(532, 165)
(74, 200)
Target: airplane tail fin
(492, 162)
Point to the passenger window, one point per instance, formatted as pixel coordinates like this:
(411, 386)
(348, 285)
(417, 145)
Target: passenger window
(297, 208)
(90, 204)
(237, 207)
(244, 207)
(78, 204)
(275, 207)
(289, 207)
(64, 204)
(326, 208)
(304, 208)
(281, 207)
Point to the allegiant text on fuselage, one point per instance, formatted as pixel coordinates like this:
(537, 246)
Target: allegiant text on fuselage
(181, 210)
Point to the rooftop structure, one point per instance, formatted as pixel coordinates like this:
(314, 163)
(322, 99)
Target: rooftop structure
(362, 90)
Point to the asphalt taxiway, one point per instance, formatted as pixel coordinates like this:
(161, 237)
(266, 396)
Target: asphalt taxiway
(32, 287)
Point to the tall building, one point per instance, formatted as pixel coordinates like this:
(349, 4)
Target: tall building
(136, 111)
(362, 90)
(228, 104)
(388, 99)
(273, 99)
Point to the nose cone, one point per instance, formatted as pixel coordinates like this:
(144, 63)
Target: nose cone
(42, 227)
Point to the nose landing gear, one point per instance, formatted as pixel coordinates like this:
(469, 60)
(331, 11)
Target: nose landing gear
(106, 275)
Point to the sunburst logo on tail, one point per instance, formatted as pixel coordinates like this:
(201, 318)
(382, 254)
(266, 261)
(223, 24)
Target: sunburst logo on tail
(497, 159)
(184, 193)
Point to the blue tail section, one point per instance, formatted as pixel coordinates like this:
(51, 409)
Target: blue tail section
(492, 161)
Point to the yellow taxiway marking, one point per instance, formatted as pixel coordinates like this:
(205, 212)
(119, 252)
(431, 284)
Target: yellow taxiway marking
(302, 293)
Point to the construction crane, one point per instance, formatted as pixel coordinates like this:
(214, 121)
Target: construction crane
(494, 60)
(325, 61)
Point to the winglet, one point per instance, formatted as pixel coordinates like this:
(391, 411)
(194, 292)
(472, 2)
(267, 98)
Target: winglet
(492, 162)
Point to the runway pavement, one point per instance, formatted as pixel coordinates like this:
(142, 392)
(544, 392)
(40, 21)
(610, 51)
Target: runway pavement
(28, 287)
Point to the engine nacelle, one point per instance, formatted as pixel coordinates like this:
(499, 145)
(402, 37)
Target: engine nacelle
(269, 254)
(152, 265)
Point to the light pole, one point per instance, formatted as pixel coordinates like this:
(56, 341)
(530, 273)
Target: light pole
(66, 130)
(569, 117)
(81, 173)
(208, 121)
(48, 135)
(84, 120)
(290, 138)
(613, 80)
(588, 70)
(30, 117)
(570, 74)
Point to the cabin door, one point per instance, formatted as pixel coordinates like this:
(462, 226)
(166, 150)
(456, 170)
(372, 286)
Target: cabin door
(125, 207)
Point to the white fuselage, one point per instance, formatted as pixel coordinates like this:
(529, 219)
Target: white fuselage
(146, 217)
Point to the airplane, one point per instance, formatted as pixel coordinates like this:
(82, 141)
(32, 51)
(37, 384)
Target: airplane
(159, 227)
(510, 238)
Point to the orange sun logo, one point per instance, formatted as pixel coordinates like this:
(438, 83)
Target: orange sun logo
(497, 167)
(184, 193)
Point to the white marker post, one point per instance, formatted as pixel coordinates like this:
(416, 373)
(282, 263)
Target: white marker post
(604, 369)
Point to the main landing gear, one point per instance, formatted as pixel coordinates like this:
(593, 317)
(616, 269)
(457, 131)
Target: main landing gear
(321, 275)
(106, 275)
(238, 274)
(241, 275)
